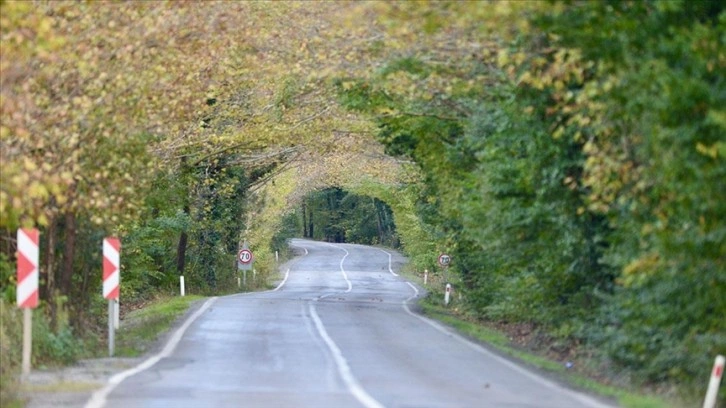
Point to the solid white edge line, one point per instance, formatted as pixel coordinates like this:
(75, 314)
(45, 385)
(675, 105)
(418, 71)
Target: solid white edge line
(415, 294)
(98, 399)
(287, 274)
(345, 275)
(342, 364)
(589, 401)
(390, 269)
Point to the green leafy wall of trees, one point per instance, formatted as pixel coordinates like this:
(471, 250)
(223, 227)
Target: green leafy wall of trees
(582, 187)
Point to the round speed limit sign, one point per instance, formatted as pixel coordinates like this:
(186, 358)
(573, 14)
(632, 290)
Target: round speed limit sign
(444, 260)
(245, 256)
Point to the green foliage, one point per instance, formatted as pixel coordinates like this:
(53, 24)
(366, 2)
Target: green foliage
(667, 212)
(413, 236)
(540, 250)
(582, 186)
(51, 346)
(207, 203)
(60, 347)
(290, 228)
(7, 279)
(11, 323)
(149, 254)
(217, 206)
(56, 342)
(335, 215)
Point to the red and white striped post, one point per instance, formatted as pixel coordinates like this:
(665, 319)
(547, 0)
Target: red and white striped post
(27, 287)
(713, 384)
(111, 283)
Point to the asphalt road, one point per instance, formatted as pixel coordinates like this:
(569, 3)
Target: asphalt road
(338, 332)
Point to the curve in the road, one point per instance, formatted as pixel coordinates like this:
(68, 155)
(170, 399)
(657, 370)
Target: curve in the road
(354, 347)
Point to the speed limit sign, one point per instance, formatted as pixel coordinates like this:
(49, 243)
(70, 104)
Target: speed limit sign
(245, 256)
(444, 260)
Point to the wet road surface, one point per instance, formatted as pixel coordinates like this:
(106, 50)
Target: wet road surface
(338, 332)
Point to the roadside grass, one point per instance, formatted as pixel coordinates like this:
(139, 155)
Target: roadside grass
(141, 328)
(500, 342)
(63, 386)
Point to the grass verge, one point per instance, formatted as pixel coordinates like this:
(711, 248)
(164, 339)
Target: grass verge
(500, 342)
(141, 328)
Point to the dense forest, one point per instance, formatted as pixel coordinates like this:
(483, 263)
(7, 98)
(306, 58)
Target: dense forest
(569, 156)
(335, 215)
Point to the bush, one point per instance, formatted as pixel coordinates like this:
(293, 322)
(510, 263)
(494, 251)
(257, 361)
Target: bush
(55, 347)
(11, 321)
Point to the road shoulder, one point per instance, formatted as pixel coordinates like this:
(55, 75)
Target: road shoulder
(73, 386)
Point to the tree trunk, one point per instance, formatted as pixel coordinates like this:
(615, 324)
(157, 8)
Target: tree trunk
(311, 225)
(69, 251)
(181, 253)
(379, 221)
(48, 288)
(181, 249)
(305, 220)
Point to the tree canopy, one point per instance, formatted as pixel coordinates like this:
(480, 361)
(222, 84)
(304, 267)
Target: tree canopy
(569, 156)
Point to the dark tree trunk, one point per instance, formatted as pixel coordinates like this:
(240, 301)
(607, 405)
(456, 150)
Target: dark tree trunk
(181, 250)
(311, 225)
(48, 287)
(379, 221)
(305, 221)
(69, 251)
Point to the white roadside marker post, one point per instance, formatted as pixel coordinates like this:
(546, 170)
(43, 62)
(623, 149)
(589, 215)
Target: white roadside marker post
(182, 289)
(713, 384)
(27, 288)
(447, 294)
(426, 276)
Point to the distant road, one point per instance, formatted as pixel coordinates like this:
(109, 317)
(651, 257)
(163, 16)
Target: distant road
(337, 333)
